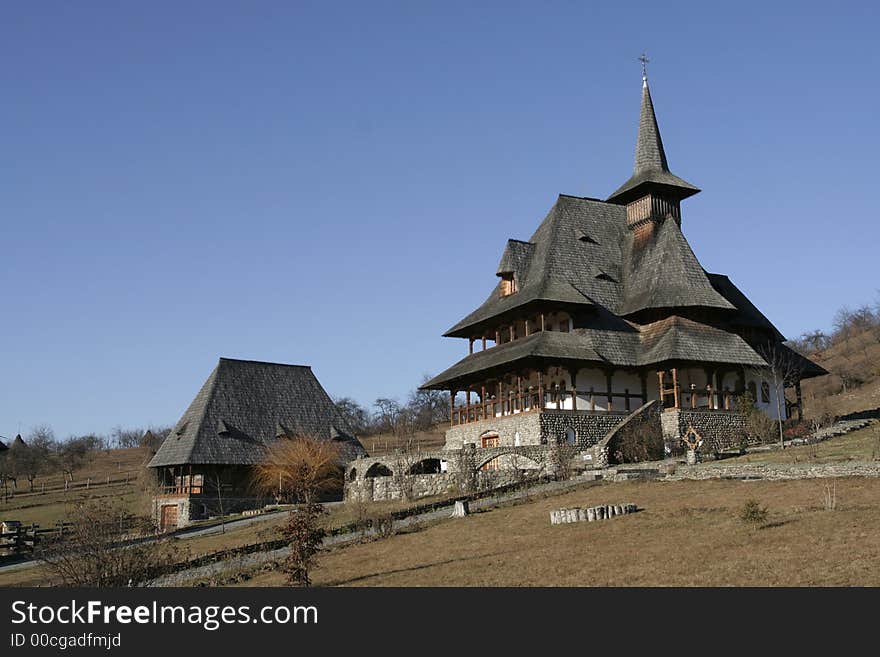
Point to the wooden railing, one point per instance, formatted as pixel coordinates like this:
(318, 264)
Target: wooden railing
(707, 399)
(182, 489)
(587, 400)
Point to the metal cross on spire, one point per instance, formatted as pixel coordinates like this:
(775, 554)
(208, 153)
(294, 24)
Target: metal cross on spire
(643, 58)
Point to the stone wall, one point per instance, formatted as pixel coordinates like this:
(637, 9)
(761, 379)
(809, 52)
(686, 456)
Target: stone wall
(589, 427)
(192, 508)
(719, 429)
(375, 489)
(537, 427)
(528, 425)
(777, 471)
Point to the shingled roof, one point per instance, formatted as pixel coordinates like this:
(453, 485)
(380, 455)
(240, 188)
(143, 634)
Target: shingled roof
(573, 257)
(674, 339)
(246, 405)
(651, 168)
(660, 270)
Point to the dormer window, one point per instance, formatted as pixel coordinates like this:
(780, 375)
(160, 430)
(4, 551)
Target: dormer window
(508, 284)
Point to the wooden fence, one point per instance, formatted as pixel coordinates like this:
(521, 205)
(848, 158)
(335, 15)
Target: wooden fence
(22, 539)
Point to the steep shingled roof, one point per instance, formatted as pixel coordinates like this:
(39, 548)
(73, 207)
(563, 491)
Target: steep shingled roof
(562, 265)
(668, 340)
(651, 167)
(244, 406)
(660, 270)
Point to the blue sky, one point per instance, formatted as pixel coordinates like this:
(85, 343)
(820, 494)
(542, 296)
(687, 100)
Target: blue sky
(333, 183)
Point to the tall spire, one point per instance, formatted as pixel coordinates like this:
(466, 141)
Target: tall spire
(650, 155)
(651, 170)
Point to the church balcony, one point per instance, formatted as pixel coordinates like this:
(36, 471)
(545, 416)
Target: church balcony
(573, 401)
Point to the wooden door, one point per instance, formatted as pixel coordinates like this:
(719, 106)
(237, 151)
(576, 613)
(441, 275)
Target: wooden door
(168, 521)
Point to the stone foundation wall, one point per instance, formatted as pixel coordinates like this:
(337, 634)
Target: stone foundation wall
(719, 429)
(190, 509)
(537, 428)
(776, 471)
(377, 489)
(528, 425)
(589, 427)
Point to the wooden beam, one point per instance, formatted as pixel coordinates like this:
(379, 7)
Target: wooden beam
(675, 386)
(608, 391)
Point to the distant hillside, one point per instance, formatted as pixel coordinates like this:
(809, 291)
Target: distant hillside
(853, 360)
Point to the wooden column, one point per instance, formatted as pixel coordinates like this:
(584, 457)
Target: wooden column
(497, 336)
(660, 375)
(608, 375)
(675, 386)
(574, 392)
(541, 389)
(512, 332)
(542, 322)
(527, 327)
(800, 400)
(592, 399)
(643, 378)
(626, 399)
(470, 345)
(500, 398)
(483, 399)
(519, 394)
(452, 407)
(484, 343)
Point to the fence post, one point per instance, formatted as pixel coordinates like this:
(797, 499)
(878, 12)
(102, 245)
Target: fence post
(88, 482)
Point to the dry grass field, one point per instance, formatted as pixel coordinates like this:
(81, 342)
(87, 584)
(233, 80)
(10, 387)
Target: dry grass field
(384, 443)
(689, 534)
(122, 466)
(861, 445)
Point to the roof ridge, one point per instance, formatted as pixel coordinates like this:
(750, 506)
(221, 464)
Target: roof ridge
(262, 362)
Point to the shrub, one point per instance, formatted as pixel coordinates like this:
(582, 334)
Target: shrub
(640, 440)
(752, 512)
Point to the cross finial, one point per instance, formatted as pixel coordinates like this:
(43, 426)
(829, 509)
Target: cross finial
(643, 58)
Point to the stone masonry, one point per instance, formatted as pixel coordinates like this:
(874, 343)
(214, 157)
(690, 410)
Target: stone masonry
(537, 428)
(719, 429)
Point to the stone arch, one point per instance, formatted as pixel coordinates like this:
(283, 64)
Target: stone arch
(425, 466)
(378, 469)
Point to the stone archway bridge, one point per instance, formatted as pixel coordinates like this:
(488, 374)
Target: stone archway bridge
(451, 461)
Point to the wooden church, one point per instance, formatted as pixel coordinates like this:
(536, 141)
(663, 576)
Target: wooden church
(603, 309)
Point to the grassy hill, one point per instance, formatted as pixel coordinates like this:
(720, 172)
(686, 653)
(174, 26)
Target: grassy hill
(120, 467)
(854, 380)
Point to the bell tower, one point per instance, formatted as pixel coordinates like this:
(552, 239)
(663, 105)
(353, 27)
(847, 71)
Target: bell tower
(653, 193)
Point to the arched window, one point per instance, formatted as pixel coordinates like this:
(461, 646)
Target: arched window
(765, 392)
(570, 436)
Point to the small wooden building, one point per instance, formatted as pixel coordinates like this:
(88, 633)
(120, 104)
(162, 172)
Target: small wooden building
(205, 462)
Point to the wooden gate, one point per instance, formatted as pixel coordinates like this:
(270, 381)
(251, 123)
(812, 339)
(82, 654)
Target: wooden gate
(168, 518)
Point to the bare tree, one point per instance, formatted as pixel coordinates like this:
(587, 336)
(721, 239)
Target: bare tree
(357, 417)
(301, 468)
(783, 370)
(104, 547)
